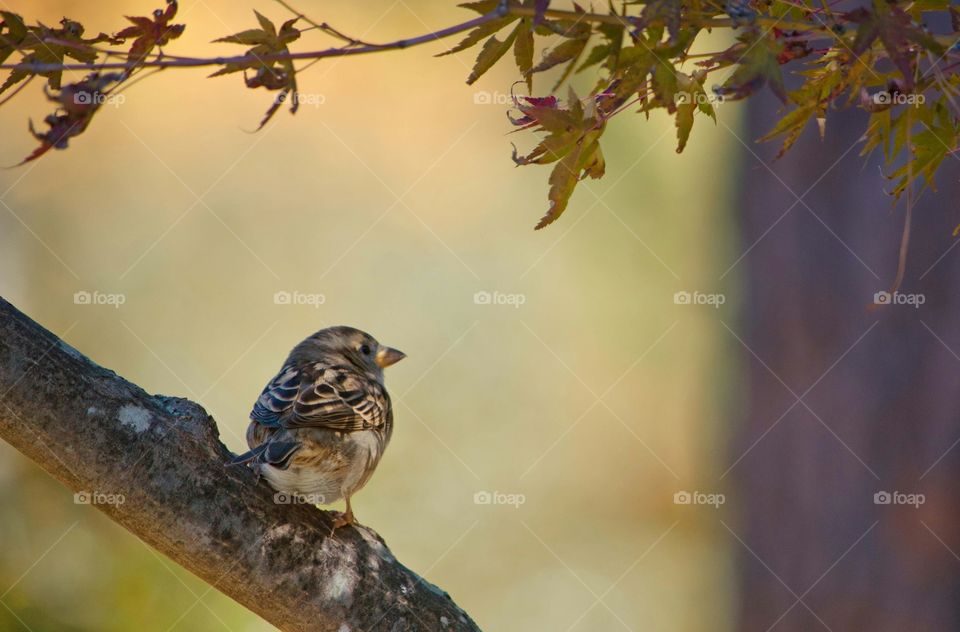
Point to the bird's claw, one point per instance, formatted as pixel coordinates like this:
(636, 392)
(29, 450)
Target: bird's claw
(343, 519)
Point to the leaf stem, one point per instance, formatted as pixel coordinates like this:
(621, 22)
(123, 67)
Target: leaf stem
(323, 26)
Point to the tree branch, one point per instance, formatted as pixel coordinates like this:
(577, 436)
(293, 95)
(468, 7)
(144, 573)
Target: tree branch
(163, 61)
(97, 433)
(353, 47)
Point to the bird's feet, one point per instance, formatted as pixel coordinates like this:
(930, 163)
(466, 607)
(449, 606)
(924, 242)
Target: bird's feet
(343, 519)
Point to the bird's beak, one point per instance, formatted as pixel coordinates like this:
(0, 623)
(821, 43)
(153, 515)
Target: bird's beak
(387, 356)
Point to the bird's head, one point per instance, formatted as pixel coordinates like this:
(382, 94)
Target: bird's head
(346, 345)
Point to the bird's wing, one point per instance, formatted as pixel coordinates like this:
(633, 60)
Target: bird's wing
(320, 396)
(277, 398)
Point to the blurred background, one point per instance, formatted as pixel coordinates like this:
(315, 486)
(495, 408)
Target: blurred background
(588, 426)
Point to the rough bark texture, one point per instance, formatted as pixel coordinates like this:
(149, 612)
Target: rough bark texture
(893, 399)
(96, 432)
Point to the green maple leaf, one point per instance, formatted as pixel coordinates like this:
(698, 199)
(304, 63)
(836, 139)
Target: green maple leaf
(758, 65)
(607, 52)
(689, 98)
(523, 51)
(937, 137)
(568, 52)
(12, 32)
(658, 15)
(791, 126)
(478, 34)
(45, 47)
(493, 49)
(585, 159)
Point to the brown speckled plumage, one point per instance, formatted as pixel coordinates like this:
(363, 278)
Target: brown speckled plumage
(320, 427)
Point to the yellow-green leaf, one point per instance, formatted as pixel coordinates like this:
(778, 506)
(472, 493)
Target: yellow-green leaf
(684, 122)
(493, 50)
(523, 51)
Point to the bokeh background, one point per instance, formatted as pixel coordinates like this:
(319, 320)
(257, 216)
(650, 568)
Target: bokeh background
(395, 201)
(389, 203)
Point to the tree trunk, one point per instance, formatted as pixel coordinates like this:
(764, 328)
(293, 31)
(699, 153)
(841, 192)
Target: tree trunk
(155, 465)
(880, 391)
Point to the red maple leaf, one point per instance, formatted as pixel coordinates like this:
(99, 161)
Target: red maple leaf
(151, 32)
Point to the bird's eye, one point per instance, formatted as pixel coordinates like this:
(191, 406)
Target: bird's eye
(365, 349)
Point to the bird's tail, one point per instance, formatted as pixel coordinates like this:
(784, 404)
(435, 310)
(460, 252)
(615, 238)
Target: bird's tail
(248, 457)
(275, 453)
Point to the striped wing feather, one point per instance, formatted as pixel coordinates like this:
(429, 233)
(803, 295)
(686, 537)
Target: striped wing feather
(317, 396)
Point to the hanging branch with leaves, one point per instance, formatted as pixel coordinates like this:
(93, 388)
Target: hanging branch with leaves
(897, 61)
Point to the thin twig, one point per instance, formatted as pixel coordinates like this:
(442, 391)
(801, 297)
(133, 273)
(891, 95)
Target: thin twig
(905, 235)
(326, 28)
(102, 51)
(129, 83)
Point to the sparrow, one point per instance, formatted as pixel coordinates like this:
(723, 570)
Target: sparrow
(320, 427)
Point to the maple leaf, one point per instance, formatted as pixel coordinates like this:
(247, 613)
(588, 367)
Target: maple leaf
(791, 126)
(898, 34)
(758, 65)
(522, 40)
(483, 7)
(606, 53)
(77, 103)
(824, 84)
(572, 141)
(927, 148)
(45, 45)
(152, 32)
(665, 84)
(571, 28)
(529, 106)
(585, 157)
(633, 65)
(493, 49)
(690, 97)
(523, 51)
(568, 52)
(887, 131)
(274, 75)
(478, 34)
(662, 14)
(12, 32)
